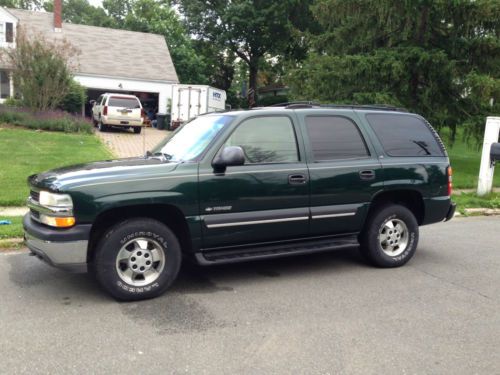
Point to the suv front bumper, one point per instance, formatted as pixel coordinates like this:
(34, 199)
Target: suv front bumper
(62, 248)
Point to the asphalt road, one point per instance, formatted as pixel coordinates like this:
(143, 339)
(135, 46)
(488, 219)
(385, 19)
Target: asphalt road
(319, 314)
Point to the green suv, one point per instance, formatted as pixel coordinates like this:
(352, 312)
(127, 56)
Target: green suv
(245, 185)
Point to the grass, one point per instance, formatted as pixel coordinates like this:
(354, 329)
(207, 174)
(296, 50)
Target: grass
(471, 200)
(13, 230)
(24, 152)
(465, 160)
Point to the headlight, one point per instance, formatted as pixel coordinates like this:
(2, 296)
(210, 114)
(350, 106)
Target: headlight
(55, 200)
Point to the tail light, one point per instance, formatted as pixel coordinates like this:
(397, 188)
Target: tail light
(449, 174)
(105, 110)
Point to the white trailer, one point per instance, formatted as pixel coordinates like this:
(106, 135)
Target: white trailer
(189, 101)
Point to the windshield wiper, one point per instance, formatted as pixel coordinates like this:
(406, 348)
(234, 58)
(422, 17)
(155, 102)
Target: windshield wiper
(423, 146)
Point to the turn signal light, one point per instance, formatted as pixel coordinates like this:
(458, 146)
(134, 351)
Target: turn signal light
(58, 222)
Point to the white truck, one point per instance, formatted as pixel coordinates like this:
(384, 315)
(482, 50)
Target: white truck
(189, 101)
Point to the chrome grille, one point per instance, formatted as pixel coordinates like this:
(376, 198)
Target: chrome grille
(35, 195)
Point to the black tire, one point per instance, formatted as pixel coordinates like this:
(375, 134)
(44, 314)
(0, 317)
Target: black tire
(94, 122)
(109, 247)
(137, 129)
(101, 126)
(378, 242)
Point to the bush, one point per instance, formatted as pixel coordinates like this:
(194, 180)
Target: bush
(74, 99)
(271, 100)
(48, 120)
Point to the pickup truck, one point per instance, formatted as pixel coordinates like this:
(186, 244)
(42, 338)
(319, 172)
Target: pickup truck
(245, 185)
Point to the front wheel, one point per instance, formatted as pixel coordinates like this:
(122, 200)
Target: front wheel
(137, 129)
(390, 236)
(137, 259)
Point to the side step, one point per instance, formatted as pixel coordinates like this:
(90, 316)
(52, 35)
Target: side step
(233, 255)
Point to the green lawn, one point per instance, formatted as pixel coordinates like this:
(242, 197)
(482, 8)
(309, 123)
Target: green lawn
(24, 152)
(465, 161)
(13, 230)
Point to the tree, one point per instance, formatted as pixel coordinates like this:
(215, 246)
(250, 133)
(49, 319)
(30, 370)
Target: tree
(157, 16)
(81, 12)
(438, 58)
(249, 29)
(22, 4)
(41, 70)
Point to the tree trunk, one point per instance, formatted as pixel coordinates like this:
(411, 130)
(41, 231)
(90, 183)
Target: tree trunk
(252, 82)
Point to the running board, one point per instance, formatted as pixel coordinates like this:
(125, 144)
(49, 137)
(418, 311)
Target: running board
(274, 251)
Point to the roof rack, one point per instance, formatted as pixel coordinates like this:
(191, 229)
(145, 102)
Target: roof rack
(311, 104)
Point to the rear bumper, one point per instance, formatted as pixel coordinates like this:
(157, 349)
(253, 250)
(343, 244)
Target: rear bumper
(123, 121)
(451, 211)
(66, 249)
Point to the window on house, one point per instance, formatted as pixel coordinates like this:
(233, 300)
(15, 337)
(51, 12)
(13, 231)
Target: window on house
(4, 84)
(9, 32)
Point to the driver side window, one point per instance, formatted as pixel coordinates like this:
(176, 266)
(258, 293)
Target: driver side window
(266, 140)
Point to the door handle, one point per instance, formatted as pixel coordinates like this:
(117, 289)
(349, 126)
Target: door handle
(297, 179)
(367, 174)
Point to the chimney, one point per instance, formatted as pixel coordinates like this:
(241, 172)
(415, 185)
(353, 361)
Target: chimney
(57, 15)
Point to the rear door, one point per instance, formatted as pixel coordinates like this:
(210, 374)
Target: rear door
(344, 171)
(267, 199)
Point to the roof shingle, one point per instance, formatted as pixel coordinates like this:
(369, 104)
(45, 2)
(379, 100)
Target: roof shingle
(107, 52)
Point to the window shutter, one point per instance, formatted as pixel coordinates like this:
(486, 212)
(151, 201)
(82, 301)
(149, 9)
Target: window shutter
(9, 32)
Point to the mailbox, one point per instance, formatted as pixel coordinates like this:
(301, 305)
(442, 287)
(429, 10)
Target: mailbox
(495, 152)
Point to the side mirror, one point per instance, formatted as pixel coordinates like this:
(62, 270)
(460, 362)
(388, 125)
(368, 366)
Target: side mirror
(229, 156)
(92, 102)
(494, 152)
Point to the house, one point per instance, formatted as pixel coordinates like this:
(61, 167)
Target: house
(110, 60)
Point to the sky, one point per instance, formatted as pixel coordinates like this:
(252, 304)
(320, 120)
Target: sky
(95, 2)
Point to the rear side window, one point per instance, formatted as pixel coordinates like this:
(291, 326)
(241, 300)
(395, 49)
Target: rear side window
(335, 137)
(123, 102)
(266, 140)
(404, 135)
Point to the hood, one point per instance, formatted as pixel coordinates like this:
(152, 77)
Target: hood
(71, 176)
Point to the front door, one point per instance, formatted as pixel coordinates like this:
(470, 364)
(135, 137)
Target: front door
(264, 200)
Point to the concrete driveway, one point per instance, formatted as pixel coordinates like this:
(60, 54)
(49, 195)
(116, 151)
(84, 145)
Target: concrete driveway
(124, 143)
(319, 314)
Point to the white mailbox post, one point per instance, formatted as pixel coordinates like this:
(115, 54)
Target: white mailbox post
(491, 134)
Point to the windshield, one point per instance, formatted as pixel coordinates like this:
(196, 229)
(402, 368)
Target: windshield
(190, 141)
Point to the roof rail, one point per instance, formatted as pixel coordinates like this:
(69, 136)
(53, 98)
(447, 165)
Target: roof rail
(311, 104)
(305, 104)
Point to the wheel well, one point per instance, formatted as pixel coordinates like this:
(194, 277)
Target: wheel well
(411, 199)
(169, 215)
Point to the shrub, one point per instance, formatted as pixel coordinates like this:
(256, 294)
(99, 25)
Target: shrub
(47, 120)
(270, 100)
(74, 99)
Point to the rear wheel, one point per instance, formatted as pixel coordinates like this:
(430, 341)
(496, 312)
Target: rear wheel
(137, 129)
(101, 126)
(390, 236)
(137, 259)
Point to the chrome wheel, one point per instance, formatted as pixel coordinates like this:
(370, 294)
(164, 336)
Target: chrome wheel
(140, 261)
(393, 237)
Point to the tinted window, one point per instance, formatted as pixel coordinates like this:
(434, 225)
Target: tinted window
(335, 137)
(124, 102)
(404, 135)
(266, 140)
